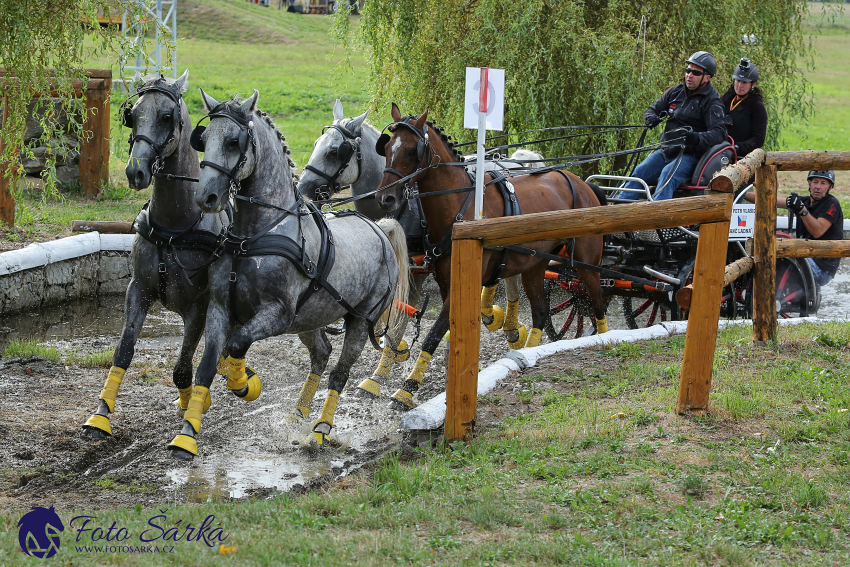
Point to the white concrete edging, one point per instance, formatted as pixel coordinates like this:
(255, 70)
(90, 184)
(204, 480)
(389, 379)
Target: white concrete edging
(44, 253)
(432, 414)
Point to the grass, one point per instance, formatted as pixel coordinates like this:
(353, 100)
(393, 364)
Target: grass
(573, 481)
(26, 348)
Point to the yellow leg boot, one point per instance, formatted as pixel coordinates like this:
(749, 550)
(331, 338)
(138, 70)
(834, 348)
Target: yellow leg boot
(602, 325)
(185, 440)
(371, 387)
(242, 380)
(402, 400)
(515, 333)
(97, 425)
(322, 427)
(534, 338)
(491, 315)
(182, 402)
(223, 365)
(305, 400)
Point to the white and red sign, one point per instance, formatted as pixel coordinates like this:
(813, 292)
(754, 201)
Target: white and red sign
(490, 99)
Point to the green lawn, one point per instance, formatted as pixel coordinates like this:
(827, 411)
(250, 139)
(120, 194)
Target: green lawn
(598, 470)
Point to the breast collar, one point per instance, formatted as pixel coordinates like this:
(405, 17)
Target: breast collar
(350, 146)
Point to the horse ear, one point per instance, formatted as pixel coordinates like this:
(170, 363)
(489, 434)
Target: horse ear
(357, 122)
(423, 118)
(250, 105)
(209, 102)
(395, 113)
(338, 115)
(180, 83)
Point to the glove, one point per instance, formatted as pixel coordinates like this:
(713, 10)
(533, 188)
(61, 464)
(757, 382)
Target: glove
(794, 203)
(691, 139)
(652, 120)
(672, 142)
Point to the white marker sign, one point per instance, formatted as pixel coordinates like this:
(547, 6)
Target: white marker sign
(495, 98)
(743, 222)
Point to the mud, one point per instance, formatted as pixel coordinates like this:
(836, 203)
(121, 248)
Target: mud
(245, 449)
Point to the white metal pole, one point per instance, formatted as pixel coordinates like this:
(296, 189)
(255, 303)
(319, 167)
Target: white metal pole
(482, 130)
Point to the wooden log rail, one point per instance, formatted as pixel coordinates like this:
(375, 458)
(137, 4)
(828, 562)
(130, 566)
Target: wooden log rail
(798, 248)
(732, 177)
(470, 237)
(103, 227)
(94, 144)
(732, 272)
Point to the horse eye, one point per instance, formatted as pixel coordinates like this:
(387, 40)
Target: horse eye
(232, 143)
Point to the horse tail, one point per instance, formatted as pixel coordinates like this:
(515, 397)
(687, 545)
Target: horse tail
(397, 318)
(600, 194)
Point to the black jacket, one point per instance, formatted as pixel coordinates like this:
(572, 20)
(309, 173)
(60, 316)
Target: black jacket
(702, 111)
(749, 121)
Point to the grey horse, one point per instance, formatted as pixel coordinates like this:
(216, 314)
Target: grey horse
(284, 266)
(174, 240)
(344, 155)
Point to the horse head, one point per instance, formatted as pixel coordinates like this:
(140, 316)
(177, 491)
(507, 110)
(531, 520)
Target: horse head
(230, 149)
(407, 149)
(335, 161)
(157, 120)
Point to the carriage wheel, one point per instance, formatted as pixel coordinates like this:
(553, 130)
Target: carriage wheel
(565, 311)
(642, 312)
(796, 292)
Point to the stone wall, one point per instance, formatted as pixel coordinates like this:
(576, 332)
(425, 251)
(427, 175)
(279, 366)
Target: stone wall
(62, 270)
(35, 157)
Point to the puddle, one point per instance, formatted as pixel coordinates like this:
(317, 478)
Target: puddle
(223, 476)
(96, 317)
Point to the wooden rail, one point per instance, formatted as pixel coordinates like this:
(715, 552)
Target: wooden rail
(809, 160)
(470, 237)
(731, 273)
(103, 227)
(94, 143)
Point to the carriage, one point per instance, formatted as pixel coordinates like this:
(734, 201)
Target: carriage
(666, 258)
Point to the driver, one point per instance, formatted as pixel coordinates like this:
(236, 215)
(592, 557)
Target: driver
(819, 217)
(696, 122)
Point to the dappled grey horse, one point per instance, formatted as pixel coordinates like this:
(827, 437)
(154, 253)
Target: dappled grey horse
(174, 240)
(284, 267)
(344, 155)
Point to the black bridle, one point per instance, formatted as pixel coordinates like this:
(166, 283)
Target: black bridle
(127, 119)
(246, 134)
(349, 147)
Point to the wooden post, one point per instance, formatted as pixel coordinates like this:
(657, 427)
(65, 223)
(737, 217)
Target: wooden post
(701, 337)
(7, 202)
(465, 338)
(91, 143)
(731, 273)
(764, 252)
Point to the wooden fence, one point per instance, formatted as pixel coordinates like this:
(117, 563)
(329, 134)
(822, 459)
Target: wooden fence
(94, 145)
(470, 238)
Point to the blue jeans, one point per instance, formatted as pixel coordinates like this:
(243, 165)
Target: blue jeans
(821, 278)
(665, 173)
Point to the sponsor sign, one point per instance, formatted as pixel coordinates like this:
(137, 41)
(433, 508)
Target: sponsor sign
(743, 222)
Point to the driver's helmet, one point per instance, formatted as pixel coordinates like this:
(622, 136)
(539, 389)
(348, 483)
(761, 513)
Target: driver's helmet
(746, 71)
(705, 60)
(828, 175)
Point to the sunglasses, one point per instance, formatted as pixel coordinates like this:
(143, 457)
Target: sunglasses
(694, 72)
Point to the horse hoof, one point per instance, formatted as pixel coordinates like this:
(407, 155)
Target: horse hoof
(252, 391)
(321, 439)
(402, 401)
(521, 337)
(183, 447)
(497, 321)
(181, 455)
(97, 428)
(368, 388)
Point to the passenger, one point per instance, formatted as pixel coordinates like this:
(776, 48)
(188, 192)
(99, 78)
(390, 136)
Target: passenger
(743, 104)
(819, 217)
(695, 123)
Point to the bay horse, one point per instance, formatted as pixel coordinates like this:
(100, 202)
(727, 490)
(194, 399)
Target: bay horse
(283, 266)
(414, 153)
(345, 155)
(174, 240)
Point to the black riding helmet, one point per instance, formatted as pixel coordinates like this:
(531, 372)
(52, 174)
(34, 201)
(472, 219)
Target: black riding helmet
(828, 175)
(746, 71)
(705, 60)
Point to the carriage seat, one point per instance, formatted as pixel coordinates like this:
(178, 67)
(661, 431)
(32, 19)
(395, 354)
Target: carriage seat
(712, 161)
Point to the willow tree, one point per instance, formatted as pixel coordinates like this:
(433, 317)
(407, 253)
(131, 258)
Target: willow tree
(44, 47)
(574, 62)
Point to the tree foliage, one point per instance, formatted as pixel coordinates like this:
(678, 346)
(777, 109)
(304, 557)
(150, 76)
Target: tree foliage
(44, 47)
(572, 62)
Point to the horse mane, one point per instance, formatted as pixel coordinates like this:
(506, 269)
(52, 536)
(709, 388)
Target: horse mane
(447, 140)
(233, 106)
